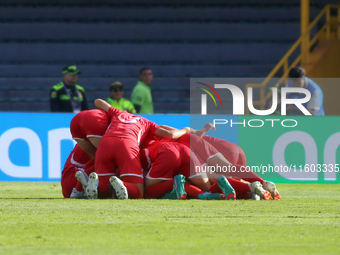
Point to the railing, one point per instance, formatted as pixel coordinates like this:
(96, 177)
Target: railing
(305, 43)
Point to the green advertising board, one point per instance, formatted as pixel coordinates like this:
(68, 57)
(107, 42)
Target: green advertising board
(307, 152)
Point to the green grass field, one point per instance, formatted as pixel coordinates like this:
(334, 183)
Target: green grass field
(35, 219)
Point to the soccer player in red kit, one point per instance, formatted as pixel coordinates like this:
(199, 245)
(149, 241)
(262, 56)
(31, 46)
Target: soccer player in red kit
(75, 161)
(212, 157)
(169, 163)
(233, 153)
(167, 159)
(87, 129)
(119, 148)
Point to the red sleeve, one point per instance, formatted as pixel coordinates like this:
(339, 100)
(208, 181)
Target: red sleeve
(152, 127)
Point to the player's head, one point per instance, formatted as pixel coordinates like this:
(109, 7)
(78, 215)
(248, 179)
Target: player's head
(145, 75)
(70, 74)
(297, 76)
(116, 90)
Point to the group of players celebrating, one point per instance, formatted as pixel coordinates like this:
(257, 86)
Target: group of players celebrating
(121, 155)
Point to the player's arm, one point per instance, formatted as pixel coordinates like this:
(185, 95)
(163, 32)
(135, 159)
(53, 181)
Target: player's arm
(167, 127)
(171, 134)
(172, 128)
(205, 129)
(200, 133)
(101, 104)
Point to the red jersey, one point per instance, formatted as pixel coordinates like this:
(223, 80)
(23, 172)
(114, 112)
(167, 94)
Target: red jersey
(129, 126)
(149, 154)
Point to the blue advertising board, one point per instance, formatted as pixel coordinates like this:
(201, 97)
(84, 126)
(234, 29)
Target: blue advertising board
(35, 146)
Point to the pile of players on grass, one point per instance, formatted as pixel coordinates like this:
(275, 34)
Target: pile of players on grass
(121, 155)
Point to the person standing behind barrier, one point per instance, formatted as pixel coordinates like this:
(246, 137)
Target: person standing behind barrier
(117, 100)
(141, 94)
(299, 80)
(67, 96)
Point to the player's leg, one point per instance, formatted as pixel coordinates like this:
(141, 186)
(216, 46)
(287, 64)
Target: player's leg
(257, 188)
(222, 185)
(195, 192)
(68, 181)
(232, 152)
(87, 146)
(190, 166)
(190, 161)
(158, 188)
(229, 150)
(223, 167)
(203, 149)
(83, 177)
(242, 159)
(271, 187)
(83, 180)
(162, 170)
(219, 160)
(104, 169)
(211, 156)
(126, 157)
(94, 140)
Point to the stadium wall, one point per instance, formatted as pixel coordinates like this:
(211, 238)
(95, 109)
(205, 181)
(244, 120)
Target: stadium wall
(35, 146)
(324, 63)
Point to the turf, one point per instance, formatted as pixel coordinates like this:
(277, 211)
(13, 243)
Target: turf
(35, 219)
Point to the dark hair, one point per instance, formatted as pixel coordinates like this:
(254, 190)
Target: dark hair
(296, 72)
(116, 84)
(143, 69)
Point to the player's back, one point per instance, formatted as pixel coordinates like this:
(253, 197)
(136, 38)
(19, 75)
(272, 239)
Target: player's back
(129, 126)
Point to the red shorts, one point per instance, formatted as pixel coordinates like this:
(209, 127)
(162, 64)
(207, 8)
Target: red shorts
(89, 123)
(173, 159)
(114, 152)
(232, 152)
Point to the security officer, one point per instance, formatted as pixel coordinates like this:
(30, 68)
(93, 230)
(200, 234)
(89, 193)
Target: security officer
(141, 94)
(67, 96)
(117, 100)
